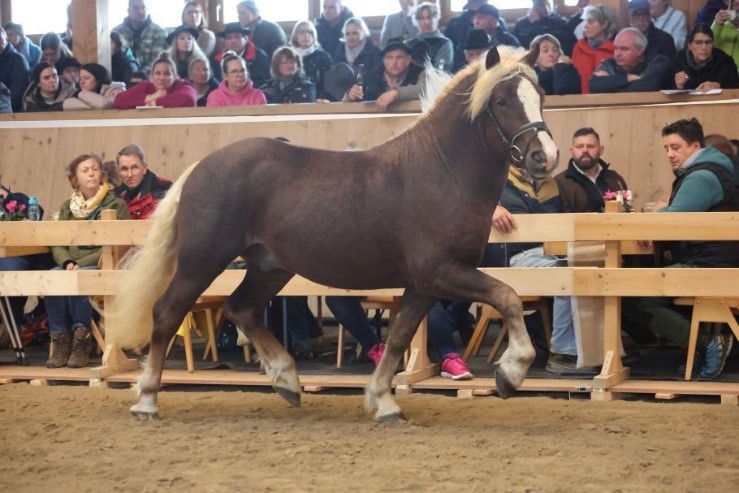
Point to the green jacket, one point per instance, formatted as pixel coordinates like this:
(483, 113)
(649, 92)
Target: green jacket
(726, 38)
(85, 256)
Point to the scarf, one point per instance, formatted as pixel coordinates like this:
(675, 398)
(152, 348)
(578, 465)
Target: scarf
(353, 53)
(690, 60)
(81, 208)
(304, 52)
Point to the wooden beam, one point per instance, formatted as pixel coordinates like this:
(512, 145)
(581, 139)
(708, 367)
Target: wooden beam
(91, 32)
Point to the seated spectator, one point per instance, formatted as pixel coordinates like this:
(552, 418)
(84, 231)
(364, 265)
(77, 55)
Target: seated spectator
(140, 188)
(6, 106)
(316, 61)
(555, 71)
(14, 71)
(487, 18)
(288, 83)
(236, 39)
(53, 50)
(399, 24)
(397, 80)
(70, 70)
(726, 32)
(23, 44)
(146, 39)
(237, 88)
(97, 91)
(670, 20)
(596, 45)
(330, 26)
(193, 16)
(164, 88)
(357, 48)
(124, 66)
(47, 91)
(70, 316)
(200, 76)
(700, 66)
(440, 48)
(629, 70)
(184, 49)
(703, 183)
(265, 34)
(708, 11)
(476, 44)
(658, 41)
(542, 19)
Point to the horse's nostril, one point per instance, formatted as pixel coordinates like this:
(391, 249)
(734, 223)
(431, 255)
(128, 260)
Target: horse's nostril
(539, 156)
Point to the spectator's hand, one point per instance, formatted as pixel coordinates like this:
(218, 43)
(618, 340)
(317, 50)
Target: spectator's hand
(722, 16)
(708, 86)
(151, 99)
(72, 266)
(564, 59)
(660, 204)
(386, 99)
(633, 77)
(503, 220)
(680, 79)
(581, 4)
(356, 93)
(600, 73)
(322, 101)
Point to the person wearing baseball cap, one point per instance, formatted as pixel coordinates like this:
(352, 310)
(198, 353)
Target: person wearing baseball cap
(487, 18)
(658, 41)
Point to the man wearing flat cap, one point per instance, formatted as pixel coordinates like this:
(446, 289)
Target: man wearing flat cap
(658, 41)
(236, 38)
(265, 34)
(397, 80)
(487, 18)
(542, 19)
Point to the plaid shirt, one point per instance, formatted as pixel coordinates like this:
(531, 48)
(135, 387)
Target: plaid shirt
(146, 42)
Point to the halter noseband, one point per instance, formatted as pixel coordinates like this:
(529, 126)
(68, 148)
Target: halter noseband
(517, 156)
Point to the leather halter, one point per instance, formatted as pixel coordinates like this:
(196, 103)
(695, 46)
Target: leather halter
(515, 152)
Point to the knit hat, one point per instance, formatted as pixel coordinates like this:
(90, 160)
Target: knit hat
(250, 4)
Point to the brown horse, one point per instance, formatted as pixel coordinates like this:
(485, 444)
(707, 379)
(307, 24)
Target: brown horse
(414, 212)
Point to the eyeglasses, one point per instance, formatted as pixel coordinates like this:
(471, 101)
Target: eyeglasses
(703, 42)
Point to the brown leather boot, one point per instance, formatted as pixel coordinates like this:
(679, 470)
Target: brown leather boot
(61, 346)
(80, 347)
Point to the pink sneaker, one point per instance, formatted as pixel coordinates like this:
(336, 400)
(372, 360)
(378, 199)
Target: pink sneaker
(375, 353)
(455, 368)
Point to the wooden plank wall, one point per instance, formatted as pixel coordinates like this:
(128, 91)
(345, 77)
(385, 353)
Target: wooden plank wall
(33, 154)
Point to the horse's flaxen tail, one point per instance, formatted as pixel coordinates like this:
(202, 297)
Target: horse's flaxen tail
(147, 272)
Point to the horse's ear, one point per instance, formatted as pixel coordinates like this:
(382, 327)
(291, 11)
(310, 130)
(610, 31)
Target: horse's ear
(493, 58)
(532, 56)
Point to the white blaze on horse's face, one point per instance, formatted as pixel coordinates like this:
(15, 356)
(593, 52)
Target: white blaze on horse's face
(531, 100)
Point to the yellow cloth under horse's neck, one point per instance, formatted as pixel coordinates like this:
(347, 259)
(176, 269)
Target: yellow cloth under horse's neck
(543, 190)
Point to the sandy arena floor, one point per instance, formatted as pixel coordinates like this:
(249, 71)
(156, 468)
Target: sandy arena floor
(74, 438)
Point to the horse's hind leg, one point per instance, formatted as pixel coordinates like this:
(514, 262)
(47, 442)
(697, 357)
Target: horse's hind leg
(245, 308)
(378, 396)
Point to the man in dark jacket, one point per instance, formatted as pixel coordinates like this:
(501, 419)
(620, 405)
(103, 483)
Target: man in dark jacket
(541, 19)
(236, 39)
(14, 71)
(587, 177)
(658, 41)
(140, 188)
(265, 34)
(331, 24)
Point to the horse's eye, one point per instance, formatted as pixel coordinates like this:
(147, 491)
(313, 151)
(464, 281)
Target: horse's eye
(500, 102)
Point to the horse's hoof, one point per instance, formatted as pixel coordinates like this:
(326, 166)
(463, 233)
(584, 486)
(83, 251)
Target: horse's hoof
(292, 397)
(144, 416)
(504, 388)
(392, 418)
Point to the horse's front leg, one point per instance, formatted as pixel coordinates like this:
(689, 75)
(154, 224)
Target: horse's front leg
(466, 283)
(378, 396)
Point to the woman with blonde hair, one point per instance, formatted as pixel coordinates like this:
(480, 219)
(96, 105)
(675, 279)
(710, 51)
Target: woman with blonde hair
(184, 49)
(554, 70)
(163, 88)
(193, 16)
(597, 44)
(288, 85)
(440, 48)
(357, 48)
(316, 60)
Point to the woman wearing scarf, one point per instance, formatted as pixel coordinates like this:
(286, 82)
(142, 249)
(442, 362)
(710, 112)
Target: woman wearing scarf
(141, 189)
(23, 44)
(357, 47)
(288, 85)
(597, 44)
(700, 66)
(316, 61)
(70, 316)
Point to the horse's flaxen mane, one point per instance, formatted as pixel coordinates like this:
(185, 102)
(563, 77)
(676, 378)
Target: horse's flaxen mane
(439, 85)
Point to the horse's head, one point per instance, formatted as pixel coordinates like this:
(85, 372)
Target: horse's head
(509, 103)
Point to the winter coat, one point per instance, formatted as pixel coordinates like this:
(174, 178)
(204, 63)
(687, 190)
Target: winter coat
(257, 64)
(330, 34)
(410, 89)
(580, 194)
(315, 67)
(88, 100)
(554, 24)
(562, 79)
(248, 96)
(34, 101)
(180, 95)
(143, 200)
(146, 42)
(15, 74)
(297, 90)
(721, 69)
(124, 67)
(655, 74)
(659, 43)
(268, 36)
(212, 86)
(726, 39)
(586, 59)
(441, 49)
(369, 56)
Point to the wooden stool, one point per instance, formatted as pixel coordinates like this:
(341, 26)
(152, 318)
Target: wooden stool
(490, 314)
(389, 303)
(708, 309)
(206, 304)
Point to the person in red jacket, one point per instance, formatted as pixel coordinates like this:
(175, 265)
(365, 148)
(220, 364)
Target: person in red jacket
(140, 188)
(597, 43)
(164, 88)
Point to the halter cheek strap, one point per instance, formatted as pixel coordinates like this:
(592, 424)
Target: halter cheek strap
(515, 152)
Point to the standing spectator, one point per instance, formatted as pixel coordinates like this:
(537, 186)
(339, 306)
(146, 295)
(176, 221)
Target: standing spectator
(53, 50)
(288, 83)
(440, 48)
(459, 27)
(708, 12)
(14, 71)
(236, 39)
(399, 24)
(726, 32)
(658, 41)
(596, 46)
(124, 66)
(140, 188)
(193, 16)
(542, 19)
(357, 48)
(202, 79)
(23, 44)
(265, 34)
(487, 18)
(629, 70)
(316, 61)
(97, 91)
(237, 88)
(164, 88)
(47, 91)
(184, 48)
(69, 70)
(670, 20)
(330, 25)
(700, 66)
(554, 70)
(146, 39)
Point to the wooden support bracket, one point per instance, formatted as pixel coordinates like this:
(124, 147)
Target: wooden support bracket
(114, 361)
